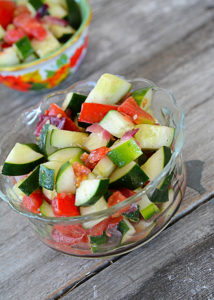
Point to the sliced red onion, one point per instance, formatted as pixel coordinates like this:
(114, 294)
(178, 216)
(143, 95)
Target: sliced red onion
(42, 11)
(96, 128)
(132, 208)
(58, 122)
(55, 20)
(129, 134)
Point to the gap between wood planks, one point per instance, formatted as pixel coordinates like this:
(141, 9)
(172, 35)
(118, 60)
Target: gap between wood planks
(70, 287)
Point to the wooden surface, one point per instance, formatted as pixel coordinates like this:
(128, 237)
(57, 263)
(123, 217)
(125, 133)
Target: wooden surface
(170, 42)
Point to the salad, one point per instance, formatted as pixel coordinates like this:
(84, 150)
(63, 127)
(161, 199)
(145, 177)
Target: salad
(90, 154)
(32, 29)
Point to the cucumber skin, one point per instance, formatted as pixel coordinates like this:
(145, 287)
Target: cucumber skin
(75, 103)
(74, 15)
(22, 169)
(123, 227)
(149, 211)
(160, 196)
(102, 189)
(35, 3)
(46, 178)
(43, 137)
(96, 241)
(31, 183)
(133, 216)
(134, 179)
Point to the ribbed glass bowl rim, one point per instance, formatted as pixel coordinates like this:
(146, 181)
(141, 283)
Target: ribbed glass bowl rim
(153, 183)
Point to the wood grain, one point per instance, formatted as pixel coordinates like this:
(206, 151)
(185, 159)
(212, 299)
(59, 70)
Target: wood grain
(169, 42)
(177, 265)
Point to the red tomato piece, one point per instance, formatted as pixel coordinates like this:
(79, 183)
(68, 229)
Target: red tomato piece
(64, 205)
(138, 115)
(57, 111)
(20, 9)
(80, 172)
(99, 228)
(33, 202)
(74, 230)
(114, 199)
(127, 192)
(114, 221)
(30, 25)
(94, 112)
(13, 35)
(94, 157)
(7, 9)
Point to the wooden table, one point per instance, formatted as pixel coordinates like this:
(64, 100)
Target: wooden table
(170, 42)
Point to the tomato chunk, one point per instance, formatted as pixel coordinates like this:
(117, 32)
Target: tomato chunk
(94, 157)
(56, 111)
(99, 228)
(7, 9)
(13, 35)
(80, 172)
(33, 202)
(114, 199)
(138, 115)
(64, 205)
(94, 112)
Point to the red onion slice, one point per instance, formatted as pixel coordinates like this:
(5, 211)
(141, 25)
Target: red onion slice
(55, 20)
(96, 128)
(129, 134)
(59, 123)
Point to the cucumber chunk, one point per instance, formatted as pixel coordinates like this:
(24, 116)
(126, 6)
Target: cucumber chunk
(96, 241)
(124, 152)
(74, 15)
(127, 230)
(65, 180)
(73, 101)
(49, 44)
(152, 137)
(36, 3)
(159, 196)
(133, 216)
(147, 208)
(66, 138)
(109, 90)
(100, 205)
(31, 183)
(156, 163)
(116, 123)
(166, 204)
(48, 173)
(66, 154)
(8, 57)
(57, 10)
(60, 31)
(46, 209)
(23, 48)
(45, 139)
(143, 97)
(104, 167)
(90, 191)
(130, 176)
(95, 140)
(21, 160)
(49, 194)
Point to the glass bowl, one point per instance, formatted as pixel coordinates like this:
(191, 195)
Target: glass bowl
(55, 232)
(49, 71)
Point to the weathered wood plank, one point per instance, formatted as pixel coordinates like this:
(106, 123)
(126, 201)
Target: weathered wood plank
(176, 265)
(167, 43)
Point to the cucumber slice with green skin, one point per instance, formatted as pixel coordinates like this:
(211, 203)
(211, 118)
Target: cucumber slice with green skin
(8, 57)
(156, 163)
(143, 97)
(21, 160)
(60, 32)
(147, 208)
(66, 180)
(66, 138)
(57, 10)
(67, 154)
(73, 101)
(43, 48)
(34, 147)
(49, 194)
(152, 137)
(104, 167)
(142, 159)
(45, 139)
(46, 209)
(116, 123)
(16, 190)
(100, 205)
(48, 173)
(36, 3)
(95, 140)
(30, 58)
(96, 241)
(109, 89)
(23, 48)
(31, 183)
(165, 205)
(133, 216)
(159, 196)
(124, 152)
(74, 15)
(131, 176)
(90, 191)
(127, 230)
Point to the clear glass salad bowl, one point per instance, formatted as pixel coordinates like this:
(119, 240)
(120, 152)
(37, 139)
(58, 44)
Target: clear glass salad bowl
(54, 231)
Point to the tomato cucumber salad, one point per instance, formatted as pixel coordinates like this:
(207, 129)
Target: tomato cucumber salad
(92, 153)
(31, 29)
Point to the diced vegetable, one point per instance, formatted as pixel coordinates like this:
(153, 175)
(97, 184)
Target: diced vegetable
(143, 97)
(147, 208)
(44, 47)
(73, 101)
(8, 57)
(65, 138)
(48, 173)
(127, 230)
(45, 139)
(74, 15)
(31, 183)
(46, 209)
(109, 89)
(71, 154)
(94, 112)
(104, 167)
(23, 48)
(96, 241)
(64, 205)
(33, 202)
(65, 181)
